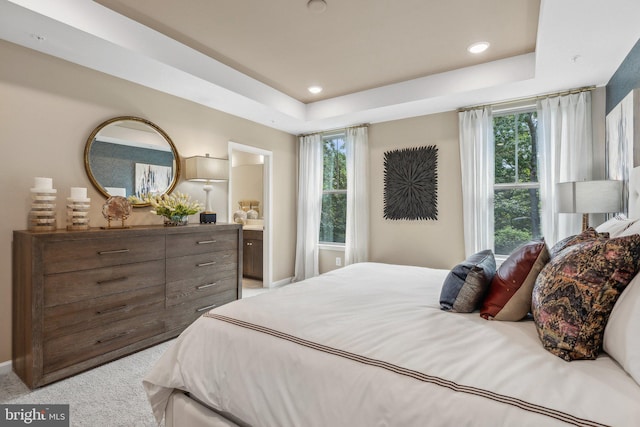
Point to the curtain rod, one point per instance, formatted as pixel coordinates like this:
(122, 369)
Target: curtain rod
(363, 125)
(532, 98)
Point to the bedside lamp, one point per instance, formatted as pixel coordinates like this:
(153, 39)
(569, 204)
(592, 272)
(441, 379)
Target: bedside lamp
(206, 169)
(587, 197)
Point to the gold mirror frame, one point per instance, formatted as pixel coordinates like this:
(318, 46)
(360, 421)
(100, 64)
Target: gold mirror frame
(92, 138)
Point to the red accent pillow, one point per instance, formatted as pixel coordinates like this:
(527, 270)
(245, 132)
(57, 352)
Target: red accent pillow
(509, 296)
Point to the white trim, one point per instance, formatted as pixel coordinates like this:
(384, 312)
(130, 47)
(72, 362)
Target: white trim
(282, 282)
(336, 247)
(6, 367)
(267, 210)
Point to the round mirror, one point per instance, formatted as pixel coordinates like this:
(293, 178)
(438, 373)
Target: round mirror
(131, 157)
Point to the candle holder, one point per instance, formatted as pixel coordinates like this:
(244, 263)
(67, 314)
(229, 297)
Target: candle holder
(78, 209)
(42, 216)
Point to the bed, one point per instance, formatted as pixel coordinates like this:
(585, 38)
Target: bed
(370, 345)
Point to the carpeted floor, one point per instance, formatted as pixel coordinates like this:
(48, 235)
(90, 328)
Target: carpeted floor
(108, 396)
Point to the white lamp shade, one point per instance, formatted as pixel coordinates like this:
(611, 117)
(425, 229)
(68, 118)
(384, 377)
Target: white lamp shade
(589, 196)
(201, 168)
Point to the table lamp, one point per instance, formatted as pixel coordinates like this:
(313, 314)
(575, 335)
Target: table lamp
(587, 197)
(207, 169)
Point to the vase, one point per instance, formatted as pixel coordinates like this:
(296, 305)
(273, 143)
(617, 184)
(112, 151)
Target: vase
(176, 220)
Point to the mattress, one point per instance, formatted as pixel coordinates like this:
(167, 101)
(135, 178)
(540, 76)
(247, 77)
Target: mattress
(368, 345)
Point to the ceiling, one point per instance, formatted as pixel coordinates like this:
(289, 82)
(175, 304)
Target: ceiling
(352, 46)
(377, 60)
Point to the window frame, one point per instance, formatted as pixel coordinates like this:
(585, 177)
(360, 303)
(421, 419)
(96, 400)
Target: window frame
(326, 136)
(518, 185)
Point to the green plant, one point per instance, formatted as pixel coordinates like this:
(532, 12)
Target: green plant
(173, 205)
(509, 238)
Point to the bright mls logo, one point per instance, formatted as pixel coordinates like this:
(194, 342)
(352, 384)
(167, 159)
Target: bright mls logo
(34, 415)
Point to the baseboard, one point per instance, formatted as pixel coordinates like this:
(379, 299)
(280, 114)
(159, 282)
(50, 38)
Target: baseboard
(6, 367)
(282, 282)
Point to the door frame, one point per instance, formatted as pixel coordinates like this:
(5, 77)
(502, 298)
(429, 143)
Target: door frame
(267, 183)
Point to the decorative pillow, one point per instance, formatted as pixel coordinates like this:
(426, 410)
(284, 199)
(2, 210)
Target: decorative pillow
(467, 283)
(633, 228)
(616, 225)
(588, 234)
(576, 291)
(621, 337)
(509, 296)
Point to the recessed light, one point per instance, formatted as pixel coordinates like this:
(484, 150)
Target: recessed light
(314, 89)
(317, 6)
(478, 47)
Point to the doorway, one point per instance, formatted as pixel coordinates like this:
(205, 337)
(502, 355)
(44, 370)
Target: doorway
(243, 180)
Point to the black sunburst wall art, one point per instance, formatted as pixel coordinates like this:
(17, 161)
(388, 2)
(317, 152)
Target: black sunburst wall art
(411, 183)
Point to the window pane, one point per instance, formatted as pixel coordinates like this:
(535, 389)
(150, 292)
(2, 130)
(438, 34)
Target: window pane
(516, 148)
(334, 164)
(334, 218)
(516, 218)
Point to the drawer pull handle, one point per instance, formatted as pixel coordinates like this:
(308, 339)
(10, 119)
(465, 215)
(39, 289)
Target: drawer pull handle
(249, 244)
(207, 285)
(115, 279)
(206, 242)
(111, 338)
(204, 264)
(208, 307)
(112, 309)
(116, 251)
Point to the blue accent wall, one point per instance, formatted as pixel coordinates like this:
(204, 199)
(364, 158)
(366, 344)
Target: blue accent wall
(113, 165)
(625, 79)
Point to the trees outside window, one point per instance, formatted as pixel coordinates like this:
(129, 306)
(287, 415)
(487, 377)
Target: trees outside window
(516, 188)
(333, 219)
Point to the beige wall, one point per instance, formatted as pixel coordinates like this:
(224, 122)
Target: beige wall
(48, 108)
(247, 185)
(433, 243)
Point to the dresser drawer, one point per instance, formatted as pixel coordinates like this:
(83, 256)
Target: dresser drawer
(73, 348)
(64, 288)
(82, 315)
(203, 242)
(182, 315)
(194, 288)
(83, 254)
(201, 265)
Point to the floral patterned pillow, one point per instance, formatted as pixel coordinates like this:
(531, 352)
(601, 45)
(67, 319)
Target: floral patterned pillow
(576, 291)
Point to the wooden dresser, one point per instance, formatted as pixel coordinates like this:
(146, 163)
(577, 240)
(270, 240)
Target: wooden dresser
(83, 298)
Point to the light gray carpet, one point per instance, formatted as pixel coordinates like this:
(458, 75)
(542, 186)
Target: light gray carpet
(110, 395)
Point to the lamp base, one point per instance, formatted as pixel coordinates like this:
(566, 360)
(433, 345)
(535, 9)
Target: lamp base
(207, 218)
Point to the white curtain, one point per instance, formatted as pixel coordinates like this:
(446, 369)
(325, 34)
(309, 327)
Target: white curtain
(357, 227)
(565, 154)
(309, 206)
(477, 162)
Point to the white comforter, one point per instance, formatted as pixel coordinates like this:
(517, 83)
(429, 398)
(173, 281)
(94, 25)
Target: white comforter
(367, 345)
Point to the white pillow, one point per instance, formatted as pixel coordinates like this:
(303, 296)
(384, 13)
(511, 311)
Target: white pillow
(616, 225)
(632, 229)
(621, 337)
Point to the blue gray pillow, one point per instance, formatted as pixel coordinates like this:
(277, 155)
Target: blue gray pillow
(468, 282)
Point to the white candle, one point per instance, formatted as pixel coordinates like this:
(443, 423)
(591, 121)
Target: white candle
(78, 193)
(41, 183)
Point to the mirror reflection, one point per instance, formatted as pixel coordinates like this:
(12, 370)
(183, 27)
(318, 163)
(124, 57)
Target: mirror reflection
(131, 157)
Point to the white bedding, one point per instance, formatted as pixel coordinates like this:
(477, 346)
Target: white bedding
(367, 345)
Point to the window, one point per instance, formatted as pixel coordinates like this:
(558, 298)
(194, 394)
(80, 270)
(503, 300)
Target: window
(333, 220)
(516, 188)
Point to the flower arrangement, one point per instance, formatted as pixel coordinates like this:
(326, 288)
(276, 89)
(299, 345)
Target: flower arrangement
(174, 207)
